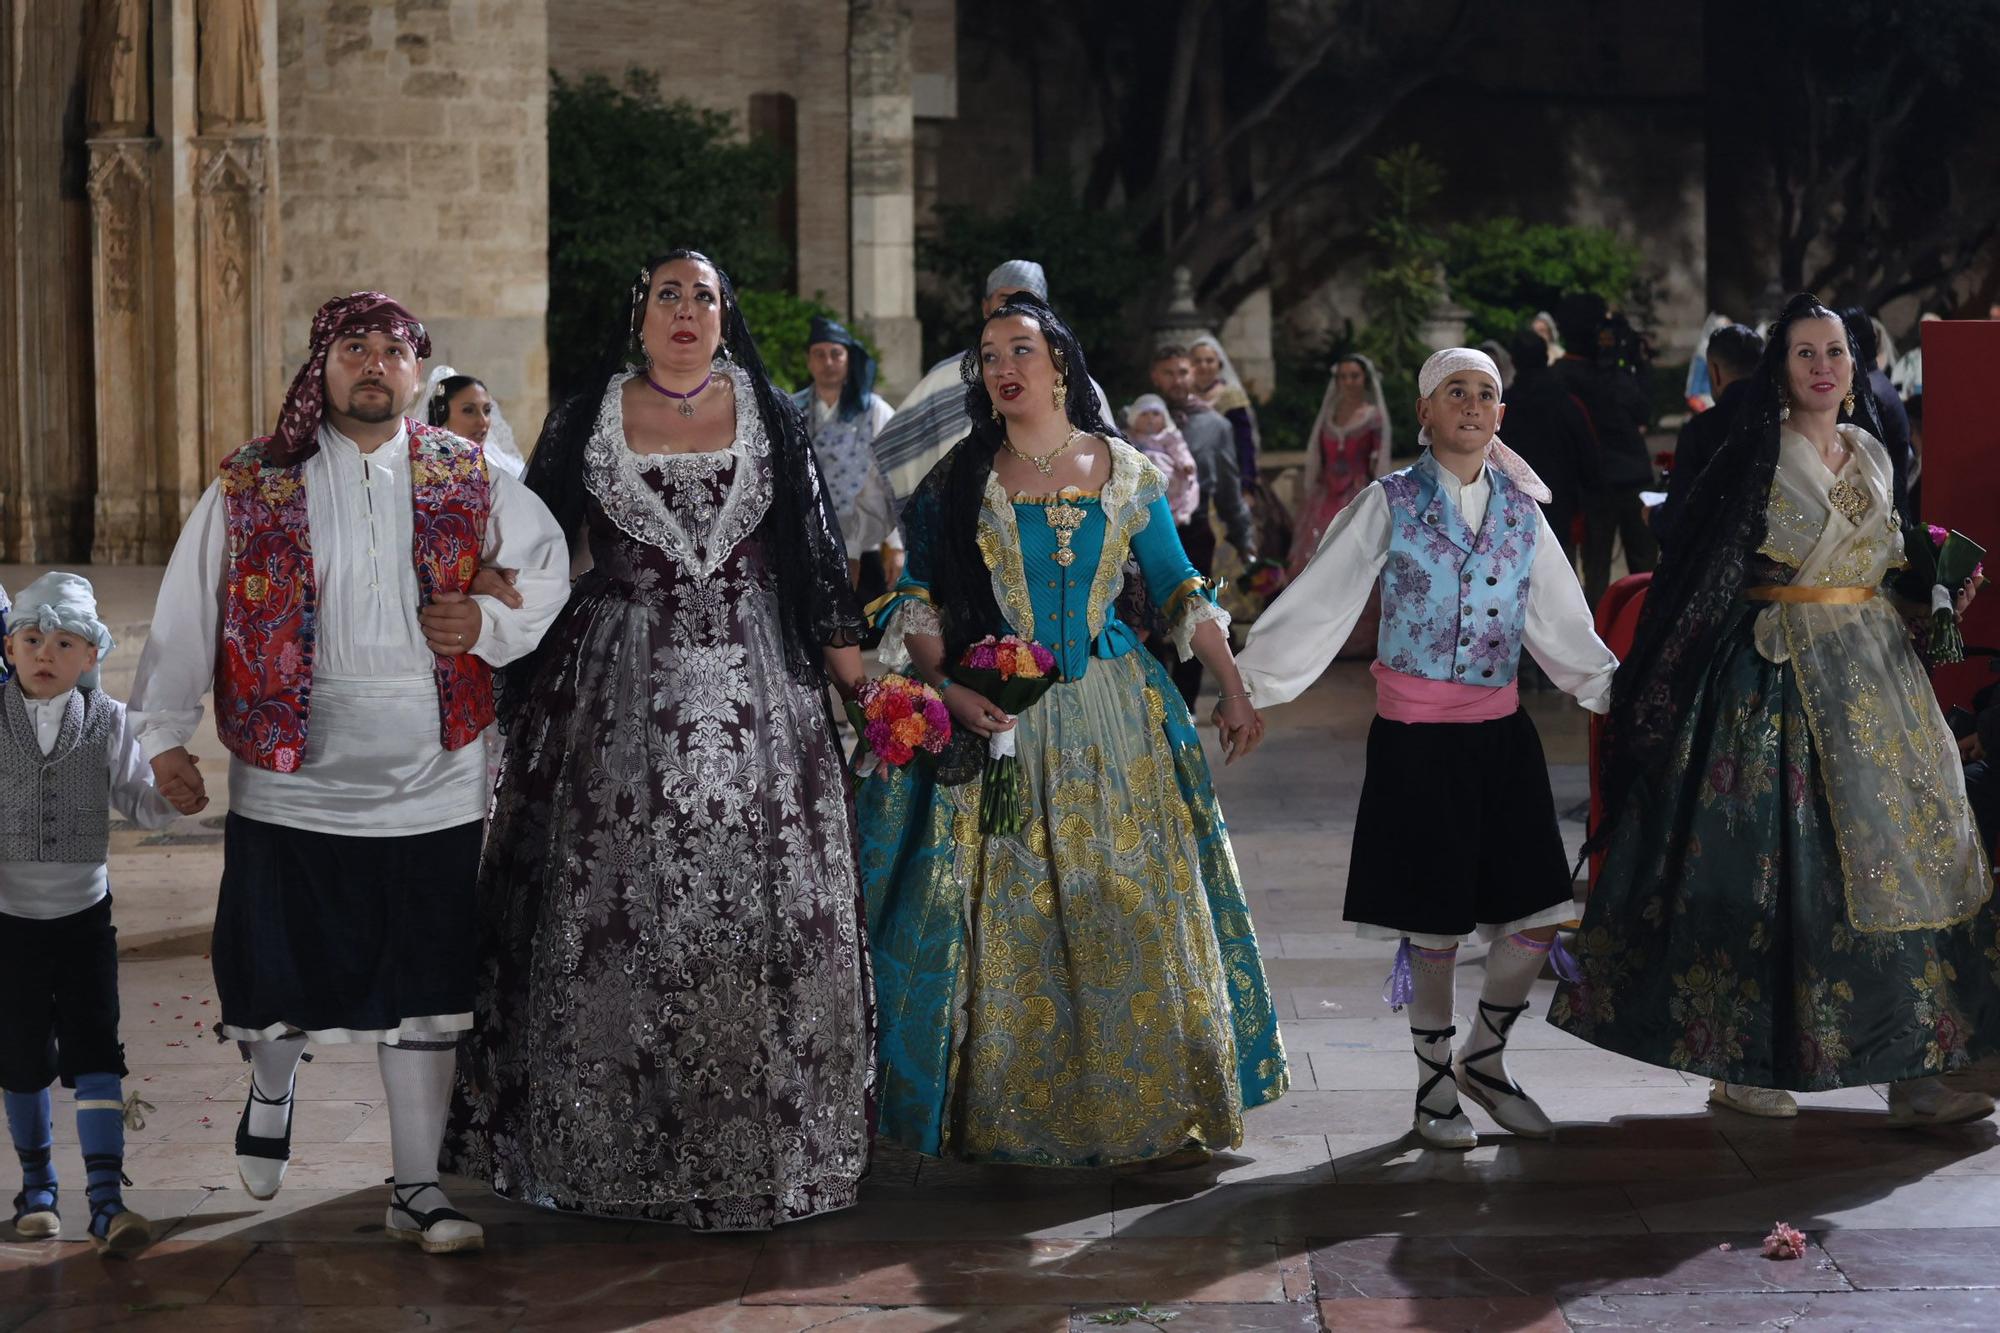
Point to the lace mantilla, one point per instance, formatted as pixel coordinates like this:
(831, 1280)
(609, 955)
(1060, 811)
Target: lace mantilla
(612, 473)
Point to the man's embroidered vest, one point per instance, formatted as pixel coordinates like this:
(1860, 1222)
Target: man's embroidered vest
(270, 611)
(1454, 602)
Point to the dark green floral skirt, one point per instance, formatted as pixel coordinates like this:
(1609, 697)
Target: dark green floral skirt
(1717, 939)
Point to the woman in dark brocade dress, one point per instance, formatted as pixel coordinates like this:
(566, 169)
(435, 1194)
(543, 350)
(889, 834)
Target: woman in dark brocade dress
(673, 1020)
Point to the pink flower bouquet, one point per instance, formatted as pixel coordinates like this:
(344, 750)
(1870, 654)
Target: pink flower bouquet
(1012, 674)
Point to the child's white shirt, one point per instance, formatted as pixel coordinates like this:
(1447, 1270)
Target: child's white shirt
(45, 890)
(1299, 633)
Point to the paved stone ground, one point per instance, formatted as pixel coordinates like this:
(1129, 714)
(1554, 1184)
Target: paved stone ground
(1645, 1213)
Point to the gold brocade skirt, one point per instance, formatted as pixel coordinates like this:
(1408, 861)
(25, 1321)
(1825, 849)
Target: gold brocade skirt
(1087, 991)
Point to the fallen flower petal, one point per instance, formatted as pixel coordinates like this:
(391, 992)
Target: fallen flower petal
(1784, 1242)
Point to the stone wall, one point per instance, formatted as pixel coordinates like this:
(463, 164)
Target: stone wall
(46, 466)
(413, 157)
(720, 53)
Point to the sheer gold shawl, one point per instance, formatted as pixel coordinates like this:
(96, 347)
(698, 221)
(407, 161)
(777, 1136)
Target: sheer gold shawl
(1909, 852)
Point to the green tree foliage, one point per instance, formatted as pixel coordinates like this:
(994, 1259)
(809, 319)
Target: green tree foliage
(1406, 284)
(1097, 274)
(1504, 270)
(781, 323)
(630, 175)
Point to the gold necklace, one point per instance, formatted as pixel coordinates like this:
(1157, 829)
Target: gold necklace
(1044, 463)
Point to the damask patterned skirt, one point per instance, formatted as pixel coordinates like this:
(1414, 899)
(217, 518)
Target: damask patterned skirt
(1084, 993)
(672, 1012)
(1717, 940)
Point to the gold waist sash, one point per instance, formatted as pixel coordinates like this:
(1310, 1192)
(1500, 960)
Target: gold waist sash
(1793, 592)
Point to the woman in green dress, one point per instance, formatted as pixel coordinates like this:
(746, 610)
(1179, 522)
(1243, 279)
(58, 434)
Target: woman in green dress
(1085, 991)
(1793, 895)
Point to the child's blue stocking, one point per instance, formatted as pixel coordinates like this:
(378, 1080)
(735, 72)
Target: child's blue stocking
(100, 1130)
(28, 1122)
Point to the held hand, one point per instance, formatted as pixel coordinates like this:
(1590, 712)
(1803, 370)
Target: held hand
(1961, 603)
(451, 624)
(177, 775)
(1241, 727)
(499, 585)
(973, 711)
(1969, 748)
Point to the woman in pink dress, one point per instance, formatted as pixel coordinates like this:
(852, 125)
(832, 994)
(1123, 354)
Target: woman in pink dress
(1349, 448)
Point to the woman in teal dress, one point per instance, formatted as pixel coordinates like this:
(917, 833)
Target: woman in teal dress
(1793, 896)
(1086, 991)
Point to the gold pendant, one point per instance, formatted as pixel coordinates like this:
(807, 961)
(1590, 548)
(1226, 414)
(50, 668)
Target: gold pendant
(1849, 499)
(1065, 520)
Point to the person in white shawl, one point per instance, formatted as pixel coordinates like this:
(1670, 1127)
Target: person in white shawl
(932, 418)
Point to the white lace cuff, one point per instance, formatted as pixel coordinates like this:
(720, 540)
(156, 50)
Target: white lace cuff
(1193, 613)
(913, 616)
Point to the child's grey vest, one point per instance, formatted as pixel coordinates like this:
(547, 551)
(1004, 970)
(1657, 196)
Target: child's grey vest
(56, 807)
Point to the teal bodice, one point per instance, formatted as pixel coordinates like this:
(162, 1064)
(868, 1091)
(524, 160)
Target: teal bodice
(1067, 605)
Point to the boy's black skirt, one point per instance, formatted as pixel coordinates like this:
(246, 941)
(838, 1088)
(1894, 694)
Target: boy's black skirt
(1457, 828)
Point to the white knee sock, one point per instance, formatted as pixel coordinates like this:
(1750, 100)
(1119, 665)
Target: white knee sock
(274, 1065)
(1433, 974)
(416, 1079)
(1511, 968)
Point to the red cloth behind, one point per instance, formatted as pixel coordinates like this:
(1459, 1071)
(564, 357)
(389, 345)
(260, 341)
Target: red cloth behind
(1617, 625)
(1961, 478)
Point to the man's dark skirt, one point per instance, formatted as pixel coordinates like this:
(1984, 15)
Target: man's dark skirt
(62, 999)
(340, 937)
(1457, 828)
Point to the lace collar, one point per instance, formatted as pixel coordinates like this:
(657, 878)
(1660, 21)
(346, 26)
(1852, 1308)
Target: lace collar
(612, 475)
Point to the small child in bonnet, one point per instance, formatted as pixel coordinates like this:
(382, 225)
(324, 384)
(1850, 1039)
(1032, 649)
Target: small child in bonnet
(67, 757)
(1155, 435)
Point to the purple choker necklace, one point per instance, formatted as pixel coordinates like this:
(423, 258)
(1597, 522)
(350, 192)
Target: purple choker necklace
(686, 400)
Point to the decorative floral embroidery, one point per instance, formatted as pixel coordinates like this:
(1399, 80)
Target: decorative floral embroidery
(1715, 1010)
(1456, 602)
(263, 684)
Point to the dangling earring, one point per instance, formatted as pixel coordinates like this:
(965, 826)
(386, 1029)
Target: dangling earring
(646, 353)
(1061, 395)
(1847, 403)
(1784, 406)
(996, 411)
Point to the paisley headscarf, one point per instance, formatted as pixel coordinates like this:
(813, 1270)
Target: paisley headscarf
(297, 436)
(1441, 367)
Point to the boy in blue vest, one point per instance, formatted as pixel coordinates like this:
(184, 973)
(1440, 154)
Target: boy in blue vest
(67, 756)
(1456, 832)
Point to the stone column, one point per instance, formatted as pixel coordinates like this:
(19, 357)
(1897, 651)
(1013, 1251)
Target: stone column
(882, 168)
(230, 168)
(130, 527)
(232, 292)
(124, 164)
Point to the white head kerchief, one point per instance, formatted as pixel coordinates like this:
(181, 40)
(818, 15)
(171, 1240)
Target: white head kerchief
(64, 603)
(1441, 367)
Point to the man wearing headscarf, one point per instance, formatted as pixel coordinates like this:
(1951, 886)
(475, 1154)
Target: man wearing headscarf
(843, 413)
(321, 588)
(932, 418)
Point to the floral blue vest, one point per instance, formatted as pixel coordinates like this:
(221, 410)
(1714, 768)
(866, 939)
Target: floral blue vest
(1454, 602)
